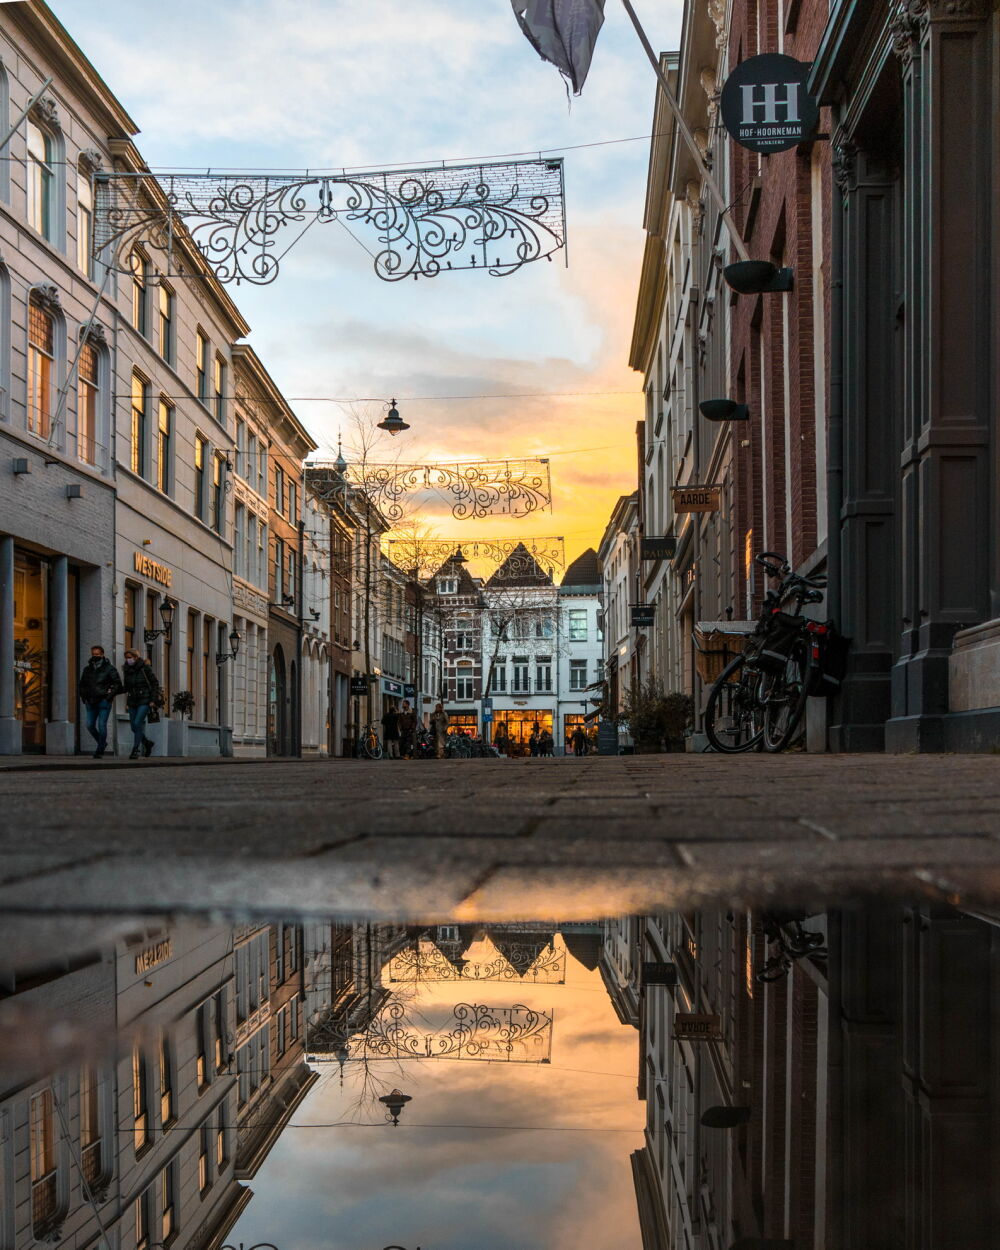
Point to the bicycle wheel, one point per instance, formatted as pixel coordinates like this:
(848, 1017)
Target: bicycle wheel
(734, 716)
(785, 700)
(371, 746)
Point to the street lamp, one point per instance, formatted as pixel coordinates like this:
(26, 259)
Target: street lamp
(393, 423)
(394, 1104)
(167, 616)
(755, 277)
(234, 647)
(458, 557)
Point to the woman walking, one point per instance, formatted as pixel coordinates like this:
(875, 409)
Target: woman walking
(142, 691)
(439, 728)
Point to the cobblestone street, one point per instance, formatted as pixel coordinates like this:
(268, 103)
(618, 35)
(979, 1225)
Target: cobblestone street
(482, 839)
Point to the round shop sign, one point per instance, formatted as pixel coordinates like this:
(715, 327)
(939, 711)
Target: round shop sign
(765, 104)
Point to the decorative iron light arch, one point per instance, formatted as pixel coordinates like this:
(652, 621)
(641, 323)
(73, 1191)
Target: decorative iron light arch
(496, 216)
(428, 554)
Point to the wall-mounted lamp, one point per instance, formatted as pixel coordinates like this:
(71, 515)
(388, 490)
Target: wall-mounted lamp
(723, 410)
(287, 600)
(234, 647)
(167, 616)
(754, 277)
(314, 614)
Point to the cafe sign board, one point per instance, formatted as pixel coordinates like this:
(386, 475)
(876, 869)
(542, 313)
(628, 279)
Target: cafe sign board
(359, 687)
(766, 106)
(693, 1027)
(643, 614)
(696, 498)
(658, 548)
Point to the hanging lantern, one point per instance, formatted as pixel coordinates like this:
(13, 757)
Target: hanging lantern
(393, 422)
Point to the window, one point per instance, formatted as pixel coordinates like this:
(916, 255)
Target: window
(139, 265)
(250, 472)
(261, 554)
(578, 624)
(165, 1186)
(221, 1157)
(262, 470)
(279, 570)
(544, 627)
(279, 490)
(543, 674)
(166, 1083)
(140, 402)
(131, 599)
(201, 365)
(204, 1025)
(219, 377)
(241, 447)
(447, 585)
(204, 1157)
(84, 222)
(498, 682)
(465, 684)
(163, 447)
(44, 1189)
(140, 1107)
(41, 182)
(165, 298)
(578, 674)
(41, 355)
(239, 540)
(293, 502)
(520, 683)
(217, 509)
(86, 404)
(90, 1130)
(142, 1222)
(290, 578)
(218, 1030)
(200, 452)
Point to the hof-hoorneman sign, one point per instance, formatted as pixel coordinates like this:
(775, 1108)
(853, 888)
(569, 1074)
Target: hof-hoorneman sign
(765, 104)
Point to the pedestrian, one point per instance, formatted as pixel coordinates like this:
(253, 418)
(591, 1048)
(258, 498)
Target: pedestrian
(390, 732)
(439, 728)
(533, 743)
(579, 741)
(501, 740)
(142, 692)
(99, 685)
(407, 729)
(546, 743)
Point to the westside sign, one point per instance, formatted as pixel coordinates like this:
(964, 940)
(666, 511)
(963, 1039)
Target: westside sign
(696, 498)
(765, 104)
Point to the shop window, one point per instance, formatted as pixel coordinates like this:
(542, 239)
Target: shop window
(463, 722)
(41, 180)
(140, 408)
(138, 263)
(149, 622)
(87, 391)
(206, 656)
(131, 596)
(41, 360)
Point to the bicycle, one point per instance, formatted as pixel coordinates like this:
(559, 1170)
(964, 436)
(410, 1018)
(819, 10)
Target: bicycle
(759, 699)
(370, 744)
(793, 941)
(458, 746)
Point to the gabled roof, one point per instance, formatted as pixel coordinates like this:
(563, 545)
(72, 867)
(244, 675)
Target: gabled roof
(519, 569)
(458, 569)
(584, 571)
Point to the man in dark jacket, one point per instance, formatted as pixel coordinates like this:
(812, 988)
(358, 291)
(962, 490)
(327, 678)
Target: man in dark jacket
(99, 684)
(407, 730)
(142, 690)
(390, 732)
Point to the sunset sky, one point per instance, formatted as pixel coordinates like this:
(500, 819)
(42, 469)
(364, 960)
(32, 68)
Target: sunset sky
(331, 84)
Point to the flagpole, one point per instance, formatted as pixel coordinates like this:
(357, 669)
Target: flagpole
(689, 139)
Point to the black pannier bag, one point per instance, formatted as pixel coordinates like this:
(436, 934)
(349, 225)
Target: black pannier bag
(831, 669)
(776, 645)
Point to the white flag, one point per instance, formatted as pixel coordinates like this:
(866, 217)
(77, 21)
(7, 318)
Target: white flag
(563, 32)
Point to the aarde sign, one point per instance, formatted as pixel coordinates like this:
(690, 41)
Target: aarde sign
(765, 104)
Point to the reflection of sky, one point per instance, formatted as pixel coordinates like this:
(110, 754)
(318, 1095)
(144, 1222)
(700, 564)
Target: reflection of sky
(505, 1182)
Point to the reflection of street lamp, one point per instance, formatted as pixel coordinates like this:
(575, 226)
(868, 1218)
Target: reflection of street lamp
(394, 1104)
(342, 1056)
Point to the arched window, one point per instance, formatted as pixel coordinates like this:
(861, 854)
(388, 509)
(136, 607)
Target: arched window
(88, 402)
(41, 368)
(41, 180)
(139, 265)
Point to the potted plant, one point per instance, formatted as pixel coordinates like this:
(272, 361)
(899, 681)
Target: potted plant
(657, 721)
(183, 702)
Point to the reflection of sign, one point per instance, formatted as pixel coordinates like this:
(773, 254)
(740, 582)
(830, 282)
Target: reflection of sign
(359, 686)
(151, 568)
(659, 548)
(696, 498)
(765, 104)
(690, 1027)
(659, 974)
(153, 955)
(643, 614)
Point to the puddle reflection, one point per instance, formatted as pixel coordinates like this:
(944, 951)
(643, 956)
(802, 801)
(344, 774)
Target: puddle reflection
(708, 1079)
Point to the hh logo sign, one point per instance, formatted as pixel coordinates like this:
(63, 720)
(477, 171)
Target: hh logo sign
(766, 106)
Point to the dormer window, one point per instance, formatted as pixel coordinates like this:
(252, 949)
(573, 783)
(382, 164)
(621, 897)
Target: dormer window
(447, 585)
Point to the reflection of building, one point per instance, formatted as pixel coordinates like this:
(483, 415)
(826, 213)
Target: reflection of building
(581, 651)
(619, 557)
(768, 1102)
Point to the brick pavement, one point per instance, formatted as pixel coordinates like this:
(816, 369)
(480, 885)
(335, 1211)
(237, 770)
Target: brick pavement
(495, 839)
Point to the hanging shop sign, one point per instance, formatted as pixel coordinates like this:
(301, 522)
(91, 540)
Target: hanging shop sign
(409, 691)
(658, 548)
(643, 614)
(659, 973)
(696, 498)
(692, 1027)
(359, 687)
(394, 688)
(765, 104)
(148, 567)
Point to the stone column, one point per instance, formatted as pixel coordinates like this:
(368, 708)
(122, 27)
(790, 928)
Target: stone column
(10, 726)
(59, 736)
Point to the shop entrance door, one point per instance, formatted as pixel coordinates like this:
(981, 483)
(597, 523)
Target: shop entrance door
(31, 648)
(515, 725)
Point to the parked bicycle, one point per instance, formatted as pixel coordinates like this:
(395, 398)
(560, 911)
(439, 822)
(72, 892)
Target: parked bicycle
(458, 746)
(785, 933)
(759, 699)
(370, 744)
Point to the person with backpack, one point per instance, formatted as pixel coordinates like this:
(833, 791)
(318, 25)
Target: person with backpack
(99, 686)
(142, 693)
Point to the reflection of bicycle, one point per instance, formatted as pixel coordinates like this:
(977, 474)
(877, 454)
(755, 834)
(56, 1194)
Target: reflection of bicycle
(792, 942)
(369, 744)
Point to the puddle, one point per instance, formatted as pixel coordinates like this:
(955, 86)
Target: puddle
(710, 1077)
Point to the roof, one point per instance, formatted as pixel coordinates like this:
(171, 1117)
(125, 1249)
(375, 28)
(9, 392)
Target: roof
(584, 571)
(519, 569)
